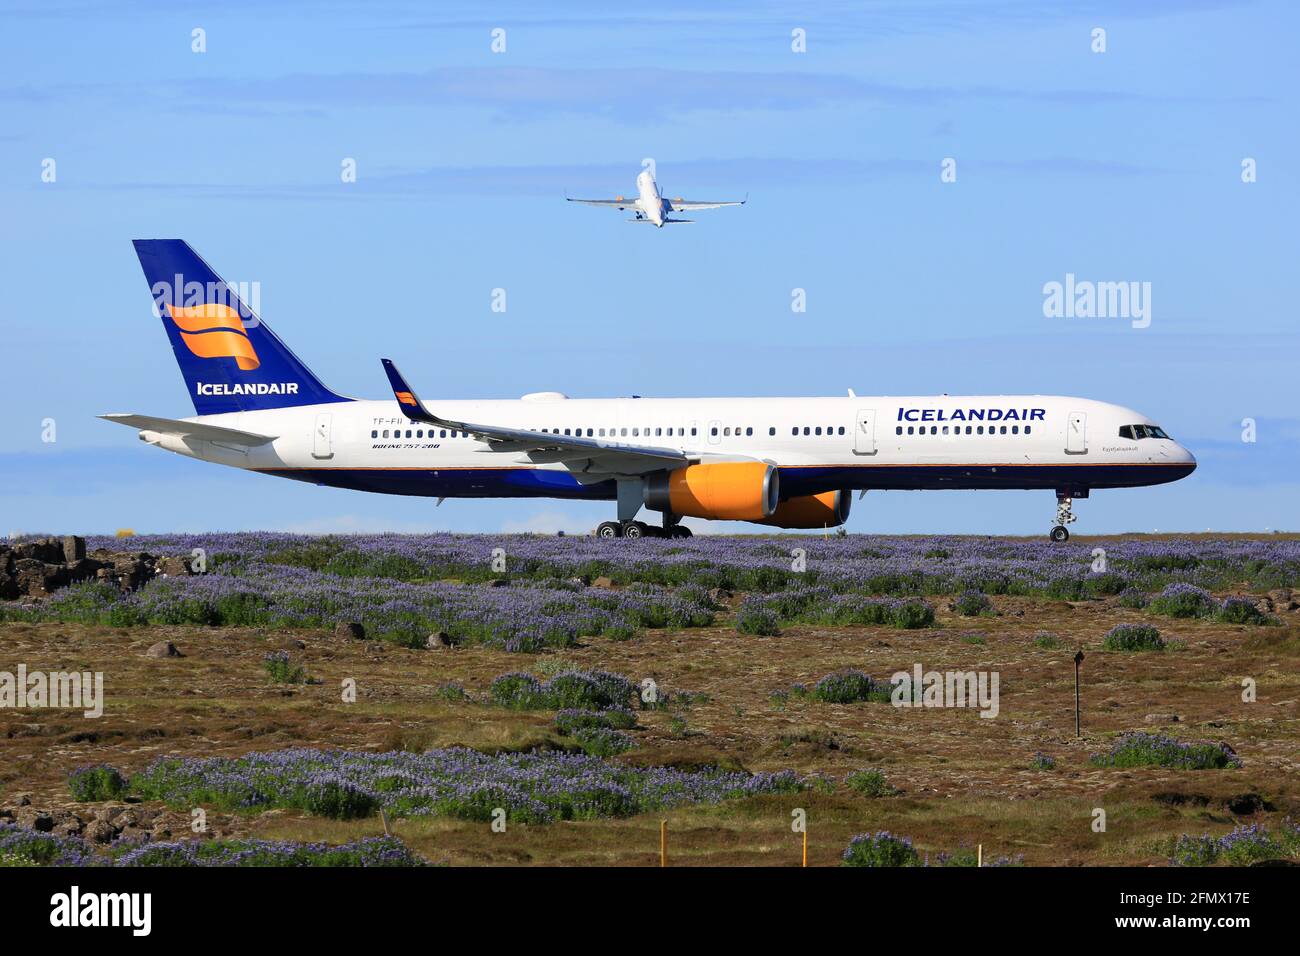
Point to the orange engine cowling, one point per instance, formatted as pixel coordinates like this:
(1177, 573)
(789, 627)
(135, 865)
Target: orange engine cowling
(727, 490)
(827, 510)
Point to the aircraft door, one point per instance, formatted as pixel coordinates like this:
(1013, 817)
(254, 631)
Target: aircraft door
(864, 432)
(1076, 434)
(321, 444)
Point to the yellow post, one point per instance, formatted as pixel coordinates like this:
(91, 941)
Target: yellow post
(979, 855)
(805, 845)
(663, 842)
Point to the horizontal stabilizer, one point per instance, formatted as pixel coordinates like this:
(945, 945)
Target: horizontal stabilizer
(184, 429)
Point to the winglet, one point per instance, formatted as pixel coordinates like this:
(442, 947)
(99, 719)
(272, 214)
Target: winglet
(412, 407)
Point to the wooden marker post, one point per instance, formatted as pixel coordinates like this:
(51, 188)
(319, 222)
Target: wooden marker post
(663, 842)
(1078, 661)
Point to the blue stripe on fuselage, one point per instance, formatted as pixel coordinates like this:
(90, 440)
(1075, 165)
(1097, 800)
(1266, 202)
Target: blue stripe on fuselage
(795, 482)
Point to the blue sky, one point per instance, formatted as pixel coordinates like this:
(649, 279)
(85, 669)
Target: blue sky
(1118, 166)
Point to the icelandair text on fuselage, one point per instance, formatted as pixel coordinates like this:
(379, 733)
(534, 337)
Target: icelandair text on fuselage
(972, 414)
(247, 388)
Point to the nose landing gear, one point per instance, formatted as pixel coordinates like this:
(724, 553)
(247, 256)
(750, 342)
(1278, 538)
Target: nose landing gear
(1064, 516)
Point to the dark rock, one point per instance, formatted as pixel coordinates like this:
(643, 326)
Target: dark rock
(1244, 804)
(34, 819)
(350, 629)
(37, 579)
(1175, 799)
(101, 831)
(74, 548)
(173, 567)
(109, 812)
(131, 572)
(499, 582)
(163, 649)
(441, 640)
(82, 570)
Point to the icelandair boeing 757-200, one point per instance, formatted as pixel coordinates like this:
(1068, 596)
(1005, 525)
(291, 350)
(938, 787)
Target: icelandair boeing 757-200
(779, 462)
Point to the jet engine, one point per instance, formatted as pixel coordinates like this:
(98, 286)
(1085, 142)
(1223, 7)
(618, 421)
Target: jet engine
(728, 490)
(827, 510)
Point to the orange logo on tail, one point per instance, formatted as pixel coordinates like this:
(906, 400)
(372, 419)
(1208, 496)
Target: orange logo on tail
(215, 331)
(406, 398)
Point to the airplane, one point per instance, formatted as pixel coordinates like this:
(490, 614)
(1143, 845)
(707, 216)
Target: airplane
(650, 205)
(776, 462)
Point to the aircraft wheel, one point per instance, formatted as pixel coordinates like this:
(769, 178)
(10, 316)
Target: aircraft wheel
(634, 529)
(1059, 533)
(680, 531)
(609, 529)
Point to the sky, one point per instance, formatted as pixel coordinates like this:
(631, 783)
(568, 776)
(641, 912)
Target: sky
(1121, 165)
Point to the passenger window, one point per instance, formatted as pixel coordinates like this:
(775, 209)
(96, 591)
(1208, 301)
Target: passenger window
(909, 429)
(795, 430)
(979, 430)
(806, 430)
(374, 434)
(748, 431)
(771, 430)
(945, 429)
(713, 430)
(934, 429)
(1003, 430)
(385, 432)
(1026, 429)
(817, 430)
(1015, 429)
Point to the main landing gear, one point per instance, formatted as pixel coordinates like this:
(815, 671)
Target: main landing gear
(1064, 516)
(631, 496)
(639, 529)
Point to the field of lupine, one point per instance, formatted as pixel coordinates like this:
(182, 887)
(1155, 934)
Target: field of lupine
(527, 699)
(405, 587)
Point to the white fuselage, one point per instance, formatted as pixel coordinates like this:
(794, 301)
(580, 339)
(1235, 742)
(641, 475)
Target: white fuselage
(818, 444)
(649, 200)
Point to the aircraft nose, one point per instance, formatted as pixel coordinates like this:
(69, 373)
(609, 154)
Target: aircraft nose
(1188, 458)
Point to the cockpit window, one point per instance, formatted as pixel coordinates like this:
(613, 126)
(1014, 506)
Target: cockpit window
(1135, 432)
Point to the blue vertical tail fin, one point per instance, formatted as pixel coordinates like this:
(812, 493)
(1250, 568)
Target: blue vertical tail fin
(230, 358)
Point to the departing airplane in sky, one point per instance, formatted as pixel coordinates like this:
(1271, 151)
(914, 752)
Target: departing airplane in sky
(650, 205)
(781, 462)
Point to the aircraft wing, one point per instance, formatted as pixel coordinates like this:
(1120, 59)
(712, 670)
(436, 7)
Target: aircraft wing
(690, 205)
(199, 430)
(592, 456)
(619, 203)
